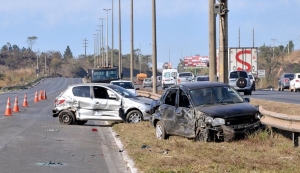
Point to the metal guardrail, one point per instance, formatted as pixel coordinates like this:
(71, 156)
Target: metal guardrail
(148, 94)
(281, 121)
(290, 123)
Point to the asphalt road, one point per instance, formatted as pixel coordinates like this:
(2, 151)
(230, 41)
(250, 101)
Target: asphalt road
(33, 141)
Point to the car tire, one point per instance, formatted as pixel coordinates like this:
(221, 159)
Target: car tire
(241, 82)
(202, 135)
(134, 116)
(160, 131)
(66, 117)
(80, 122)
(245, 93)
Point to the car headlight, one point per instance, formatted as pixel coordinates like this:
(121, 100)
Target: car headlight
(215, 121)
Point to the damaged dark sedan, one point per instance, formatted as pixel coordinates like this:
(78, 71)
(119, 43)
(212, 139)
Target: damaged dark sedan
(204, 111)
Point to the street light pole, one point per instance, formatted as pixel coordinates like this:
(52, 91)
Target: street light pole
(102, 56)
(140, 60)
(106, 63)
(95, 50)
(120, 42)
(112, 34)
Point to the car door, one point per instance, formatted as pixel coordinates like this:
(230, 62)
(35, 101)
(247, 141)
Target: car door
(184, 120)
(167, 110)
(82, 96)
(106, 103)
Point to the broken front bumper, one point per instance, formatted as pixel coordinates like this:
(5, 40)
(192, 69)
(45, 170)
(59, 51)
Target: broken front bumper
(236, 131)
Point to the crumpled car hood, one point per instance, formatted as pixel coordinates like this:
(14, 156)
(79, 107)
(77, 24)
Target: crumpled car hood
(229, 110)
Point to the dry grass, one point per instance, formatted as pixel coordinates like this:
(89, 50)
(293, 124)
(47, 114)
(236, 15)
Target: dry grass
(257, 153)
(16, 77)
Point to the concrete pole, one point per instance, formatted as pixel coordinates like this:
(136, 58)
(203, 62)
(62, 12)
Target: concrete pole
(112, 34)
(154, 48)
(120, 42)
(106, 60)
(223, 42)
(131, 41)
(212, 42)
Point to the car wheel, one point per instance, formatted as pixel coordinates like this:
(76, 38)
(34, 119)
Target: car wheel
(245, 93)
(134, 116)
(160, 131)
(81, 122)
(66, 117)
(202, 135)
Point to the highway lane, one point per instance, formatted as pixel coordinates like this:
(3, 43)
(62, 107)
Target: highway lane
(33, 141)
(277, 96)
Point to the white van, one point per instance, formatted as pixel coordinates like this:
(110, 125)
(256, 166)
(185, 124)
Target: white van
(168, 78)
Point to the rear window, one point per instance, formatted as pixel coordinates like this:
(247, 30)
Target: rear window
(289, 75)
(202, 78)
(185, 74)
(238, 74)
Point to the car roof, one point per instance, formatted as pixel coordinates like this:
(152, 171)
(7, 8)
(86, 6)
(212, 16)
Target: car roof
(195, 85)
(91, 84)
(121, 81)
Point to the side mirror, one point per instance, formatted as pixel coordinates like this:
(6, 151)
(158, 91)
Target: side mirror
(247, 100)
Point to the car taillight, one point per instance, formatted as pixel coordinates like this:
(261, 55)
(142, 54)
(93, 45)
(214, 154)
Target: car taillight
(58, 102)
(286, 80)
(297, 80)
(178, 80)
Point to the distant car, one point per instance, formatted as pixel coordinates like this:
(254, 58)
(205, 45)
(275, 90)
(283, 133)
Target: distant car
(284, 81)
(126, 84)
(252, 80)
(99, 101)
(147, 82)
(205, 111)
(240, 80)
(184, 77)
(168, 77)
(201, 78)
(295, 83)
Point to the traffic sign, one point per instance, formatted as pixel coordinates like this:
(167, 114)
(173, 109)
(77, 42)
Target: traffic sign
(261, 73)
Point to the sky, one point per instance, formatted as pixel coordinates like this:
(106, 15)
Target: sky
(181, 25)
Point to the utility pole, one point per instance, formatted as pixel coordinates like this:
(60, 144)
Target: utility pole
(102, 47)
(120, 42)
(212, 42)
(253, 37)
(131, 40)
(106, 62)
(239, 37)
(85, 46)
(112, 34)
(95, 48)
(223, 41)
(273, 39)
(154, 48)
(140, 59)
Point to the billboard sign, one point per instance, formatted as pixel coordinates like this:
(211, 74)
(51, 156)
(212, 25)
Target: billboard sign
(196, 61)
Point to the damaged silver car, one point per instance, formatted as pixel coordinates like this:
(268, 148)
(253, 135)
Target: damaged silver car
(204, 111)
(98, 101)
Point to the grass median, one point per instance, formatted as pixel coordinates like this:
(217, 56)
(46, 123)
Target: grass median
(260, 152)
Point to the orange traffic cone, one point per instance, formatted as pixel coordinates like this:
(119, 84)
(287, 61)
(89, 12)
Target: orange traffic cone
(8, 108)
(36, 99)
(25, 103)
(45, 96)
(40, 95)
(16, 107)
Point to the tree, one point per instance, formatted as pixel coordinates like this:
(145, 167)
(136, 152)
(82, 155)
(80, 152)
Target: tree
(30, 41)
(68, 53)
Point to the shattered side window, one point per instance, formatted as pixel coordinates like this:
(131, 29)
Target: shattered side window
(170, 99)
(183, 100)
